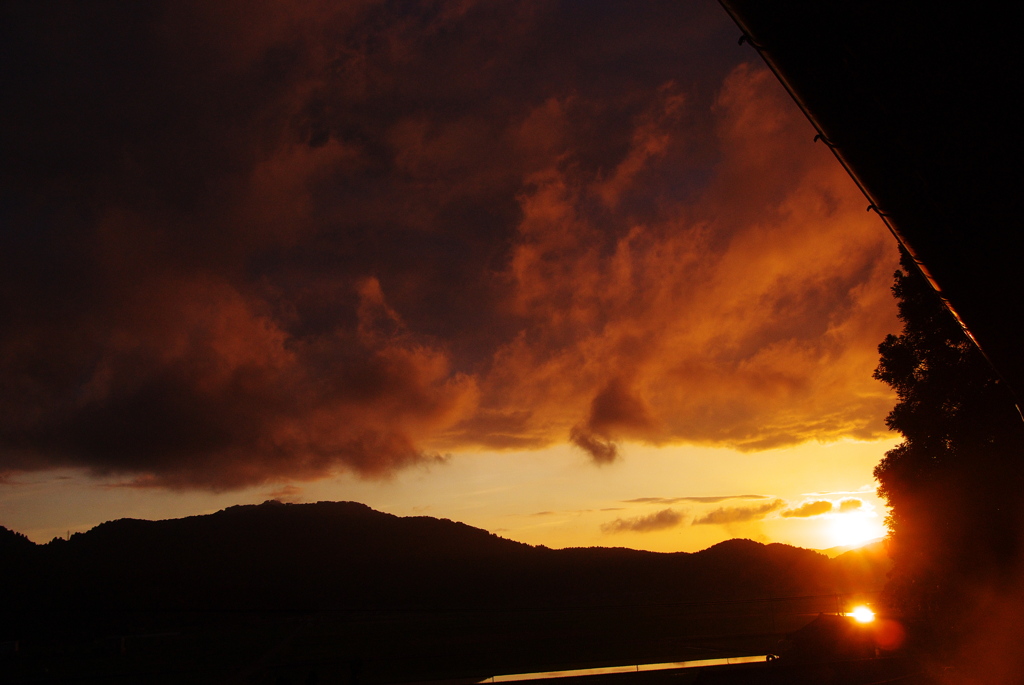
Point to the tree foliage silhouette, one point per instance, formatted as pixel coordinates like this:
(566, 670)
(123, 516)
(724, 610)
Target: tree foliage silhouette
(953, 484)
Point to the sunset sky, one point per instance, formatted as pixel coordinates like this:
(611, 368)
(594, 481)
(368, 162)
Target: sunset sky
(573, 272)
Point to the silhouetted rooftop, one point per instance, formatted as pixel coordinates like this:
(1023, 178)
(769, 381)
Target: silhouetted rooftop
(920, 102)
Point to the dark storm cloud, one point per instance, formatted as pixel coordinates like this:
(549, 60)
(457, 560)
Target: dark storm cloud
(725, 515)
(808, 509)
(174, 308)
(252, 241)
(662, 520)
(615, 410)
(602, 451)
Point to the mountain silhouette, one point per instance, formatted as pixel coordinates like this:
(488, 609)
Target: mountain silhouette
(338, 588)
(344, 555)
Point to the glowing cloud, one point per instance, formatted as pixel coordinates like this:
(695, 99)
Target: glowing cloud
(850, 504)
(726, 515)
(808, 509)
(666, 518)
(250, 245)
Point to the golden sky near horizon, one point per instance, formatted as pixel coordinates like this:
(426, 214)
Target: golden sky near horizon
(576, 276)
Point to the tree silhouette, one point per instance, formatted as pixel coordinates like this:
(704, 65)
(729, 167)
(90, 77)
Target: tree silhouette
(953, 483)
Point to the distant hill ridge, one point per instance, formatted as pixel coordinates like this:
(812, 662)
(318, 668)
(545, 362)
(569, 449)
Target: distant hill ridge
(878, 544)
(347, 556)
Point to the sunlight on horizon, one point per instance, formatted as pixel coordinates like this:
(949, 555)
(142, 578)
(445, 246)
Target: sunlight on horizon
(651, 498)
(856, 528)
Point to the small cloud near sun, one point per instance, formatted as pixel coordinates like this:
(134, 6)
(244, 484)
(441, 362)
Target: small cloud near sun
(724, 515)
(666, 518)
(850, 504)
(808, 509)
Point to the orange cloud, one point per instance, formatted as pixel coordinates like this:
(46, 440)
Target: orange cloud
(274, 242)
(850, 504)
(808, 509)
(727, 515)
(662, 520)
(746, 317)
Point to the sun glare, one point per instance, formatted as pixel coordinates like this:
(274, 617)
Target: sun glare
(846, 530)
(862, 614)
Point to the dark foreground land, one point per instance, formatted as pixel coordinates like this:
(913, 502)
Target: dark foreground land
(339, 593)
(373, 648)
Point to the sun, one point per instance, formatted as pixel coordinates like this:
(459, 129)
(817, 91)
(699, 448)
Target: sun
(862, 614)
(856, 528)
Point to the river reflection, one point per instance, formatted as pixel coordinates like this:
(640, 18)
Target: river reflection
(636, 668)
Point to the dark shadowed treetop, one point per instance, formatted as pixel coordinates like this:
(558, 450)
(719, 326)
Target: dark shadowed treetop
(13, 542)
(951, 482)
